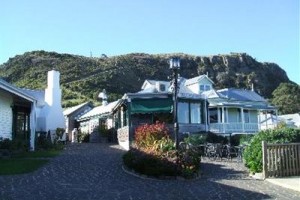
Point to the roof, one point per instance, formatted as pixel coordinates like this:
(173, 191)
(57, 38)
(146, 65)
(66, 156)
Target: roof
(292, 118)
(240, 95)
(197, 79)
(39, 95)
(17, 91)
(99, 110)
(70, 110)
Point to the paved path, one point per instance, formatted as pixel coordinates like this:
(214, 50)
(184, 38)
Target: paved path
(94, 171)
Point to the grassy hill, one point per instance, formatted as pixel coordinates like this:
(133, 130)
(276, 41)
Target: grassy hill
(82, 78)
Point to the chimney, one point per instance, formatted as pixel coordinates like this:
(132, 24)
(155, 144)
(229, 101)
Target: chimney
(102, 95)
(53, 112)
(53, 91)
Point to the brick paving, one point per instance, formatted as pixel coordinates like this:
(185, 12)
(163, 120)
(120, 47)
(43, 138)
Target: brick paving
(94, 171)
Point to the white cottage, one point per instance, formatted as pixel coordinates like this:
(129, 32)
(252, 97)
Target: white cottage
(24, 111)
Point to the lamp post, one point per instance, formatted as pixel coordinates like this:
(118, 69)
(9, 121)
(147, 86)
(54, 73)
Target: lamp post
(175, 67)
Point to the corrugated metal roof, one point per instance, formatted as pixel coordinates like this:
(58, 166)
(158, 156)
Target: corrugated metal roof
(241, 95)
(197, 79)
(70, 110)
(15, 90)
(99, 110)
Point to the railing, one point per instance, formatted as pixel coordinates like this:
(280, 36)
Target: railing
(281, 160)
(233, 127)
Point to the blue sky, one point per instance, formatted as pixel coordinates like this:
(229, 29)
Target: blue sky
(268, 30)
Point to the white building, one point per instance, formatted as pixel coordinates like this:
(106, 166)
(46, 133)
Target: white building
(23, 112)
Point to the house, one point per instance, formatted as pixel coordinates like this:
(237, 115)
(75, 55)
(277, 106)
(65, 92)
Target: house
(292, 120)
(270, 121)
(90, 122)
(155, 103)
(72, 114)
(231, 111)
(24, 111)
(201, 108)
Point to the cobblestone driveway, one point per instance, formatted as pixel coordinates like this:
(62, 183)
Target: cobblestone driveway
(94, 171)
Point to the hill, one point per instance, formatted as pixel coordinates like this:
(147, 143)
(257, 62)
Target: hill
(82, 78)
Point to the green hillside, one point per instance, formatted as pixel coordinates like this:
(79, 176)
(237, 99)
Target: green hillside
(82, 78)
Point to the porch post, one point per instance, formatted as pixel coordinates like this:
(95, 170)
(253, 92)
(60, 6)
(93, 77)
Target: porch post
(219, 116)
(276, 124)
(259, 120)
(32, 127)
(206, 118)
(130, 130)
(223, 119)
(266, 118)
(243, 119)
(220, 126)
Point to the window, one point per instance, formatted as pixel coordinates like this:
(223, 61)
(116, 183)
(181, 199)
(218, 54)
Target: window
(201, 88)
(162, 87)
(213, 115)
(190, 112)
(204, 87)
(183, 112)
(195, 113)
(246, 116)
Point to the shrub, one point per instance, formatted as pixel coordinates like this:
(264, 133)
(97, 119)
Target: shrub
(195, 139)
(83, 137)
(214, 138)
(148, 137)
(14, 145)
(149, 164)
(155, 154)
(253, 152)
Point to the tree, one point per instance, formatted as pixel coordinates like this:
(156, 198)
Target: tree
(287, 98)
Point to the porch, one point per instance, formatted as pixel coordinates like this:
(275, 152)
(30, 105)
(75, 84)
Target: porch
(234, 127)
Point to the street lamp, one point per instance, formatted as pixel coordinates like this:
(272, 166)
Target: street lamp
(175, 67)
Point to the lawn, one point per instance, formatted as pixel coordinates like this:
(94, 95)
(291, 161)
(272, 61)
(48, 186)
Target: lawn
(26, 162)
(13, 166)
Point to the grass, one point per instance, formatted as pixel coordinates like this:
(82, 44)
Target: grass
(38, 154)
(26, 162)
(13, 166)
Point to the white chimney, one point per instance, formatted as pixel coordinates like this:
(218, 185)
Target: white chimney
(102, 95)
(53, 91)
(53, 111)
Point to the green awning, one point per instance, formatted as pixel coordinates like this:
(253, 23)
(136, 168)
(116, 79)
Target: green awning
(158, 105)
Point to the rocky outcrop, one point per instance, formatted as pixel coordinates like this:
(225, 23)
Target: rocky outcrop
(83, 78)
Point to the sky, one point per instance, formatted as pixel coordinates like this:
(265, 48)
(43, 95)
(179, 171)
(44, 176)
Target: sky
(267, 30)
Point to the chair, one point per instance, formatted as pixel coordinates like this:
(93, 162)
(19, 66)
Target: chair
(63, 138)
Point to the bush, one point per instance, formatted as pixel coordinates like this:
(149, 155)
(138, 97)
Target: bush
(147, 137)
(253, 152)
(214, 138)
(148, 164)
(14, 145)
(155, 154)
(195, 139)
(83, 137)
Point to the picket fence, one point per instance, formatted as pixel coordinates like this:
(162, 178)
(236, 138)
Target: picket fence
(281, 160)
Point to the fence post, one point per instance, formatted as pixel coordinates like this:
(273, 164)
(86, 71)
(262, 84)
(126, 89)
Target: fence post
(264, 159)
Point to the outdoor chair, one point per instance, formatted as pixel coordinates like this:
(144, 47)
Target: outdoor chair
(230, 152)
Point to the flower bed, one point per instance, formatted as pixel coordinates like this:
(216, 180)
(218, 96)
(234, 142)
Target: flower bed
(154, 154)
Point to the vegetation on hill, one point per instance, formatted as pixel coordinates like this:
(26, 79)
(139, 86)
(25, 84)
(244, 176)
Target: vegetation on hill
(82, 78)
(287, 98)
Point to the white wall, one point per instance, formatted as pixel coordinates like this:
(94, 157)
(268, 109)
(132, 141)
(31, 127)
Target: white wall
(5, 115)
(52, 111)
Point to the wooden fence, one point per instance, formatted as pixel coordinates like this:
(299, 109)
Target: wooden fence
(280, 160)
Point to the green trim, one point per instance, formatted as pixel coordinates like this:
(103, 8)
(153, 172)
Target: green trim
(153, 105)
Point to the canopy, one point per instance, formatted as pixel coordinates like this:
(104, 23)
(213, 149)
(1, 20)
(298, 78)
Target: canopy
(158, 105)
